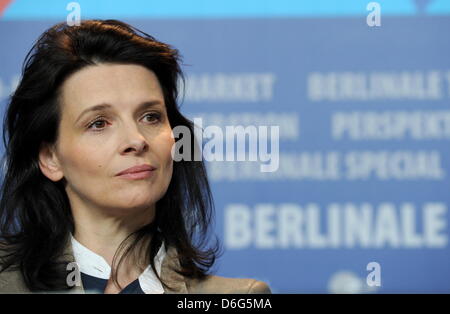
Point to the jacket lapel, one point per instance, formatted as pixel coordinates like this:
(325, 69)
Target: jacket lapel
(168, 274)
(68, 257)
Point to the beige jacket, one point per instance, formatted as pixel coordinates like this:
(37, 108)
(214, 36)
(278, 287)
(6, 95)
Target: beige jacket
(11, 280)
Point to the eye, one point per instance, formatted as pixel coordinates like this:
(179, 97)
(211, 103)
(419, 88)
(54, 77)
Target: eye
(154, 117)
(98, 122)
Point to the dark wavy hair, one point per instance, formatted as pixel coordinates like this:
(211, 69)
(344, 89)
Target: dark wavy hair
(35, 214)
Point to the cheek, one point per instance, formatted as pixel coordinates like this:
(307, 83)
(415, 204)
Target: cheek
(83, 160)
(168, 151)
(164, 147)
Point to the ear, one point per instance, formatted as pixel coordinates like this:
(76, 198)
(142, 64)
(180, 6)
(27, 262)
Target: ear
(49, 163)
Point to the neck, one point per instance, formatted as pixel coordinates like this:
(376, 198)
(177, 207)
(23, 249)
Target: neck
(103, 234)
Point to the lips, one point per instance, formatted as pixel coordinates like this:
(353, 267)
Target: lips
(136, 169)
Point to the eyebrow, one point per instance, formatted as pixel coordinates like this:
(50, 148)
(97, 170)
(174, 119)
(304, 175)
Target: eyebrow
(104, 106)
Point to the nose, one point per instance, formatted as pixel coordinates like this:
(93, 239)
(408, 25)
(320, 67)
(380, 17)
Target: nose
(135, 142)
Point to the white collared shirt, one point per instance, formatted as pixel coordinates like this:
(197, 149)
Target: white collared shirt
(92, 264)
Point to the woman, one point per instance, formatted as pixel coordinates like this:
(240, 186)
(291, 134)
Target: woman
(92, 199)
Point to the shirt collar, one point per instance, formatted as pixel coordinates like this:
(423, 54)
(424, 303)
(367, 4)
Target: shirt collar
(92, 264)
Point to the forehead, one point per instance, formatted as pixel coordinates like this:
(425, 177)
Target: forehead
(121, 85)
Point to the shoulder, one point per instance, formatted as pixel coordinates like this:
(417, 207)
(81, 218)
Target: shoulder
(11, 280)
(210, 284)
(224, 285)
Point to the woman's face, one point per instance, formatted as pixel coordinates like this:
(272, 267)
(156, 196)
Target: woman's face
(94, 145)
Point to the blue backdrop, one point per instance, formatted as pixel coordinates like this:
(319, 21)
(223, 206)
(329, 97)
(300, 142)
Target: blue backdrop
(364, 120)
